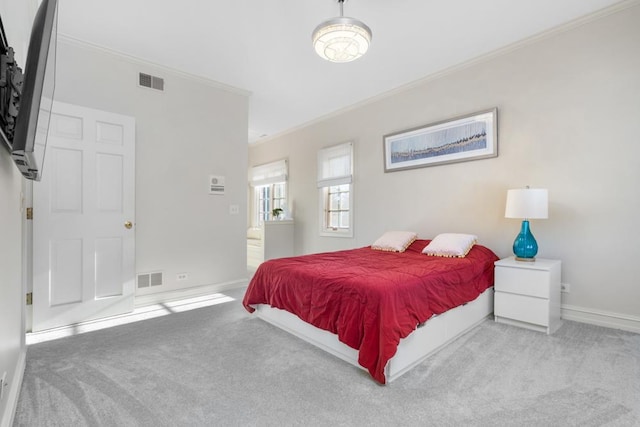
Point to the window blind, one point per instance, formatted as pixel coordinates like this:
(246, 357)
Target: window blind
(335, 165)
(269, 173)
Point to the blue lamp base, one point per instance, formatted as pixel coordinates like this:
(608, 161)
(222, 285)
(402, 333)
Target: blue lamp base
(525, 246)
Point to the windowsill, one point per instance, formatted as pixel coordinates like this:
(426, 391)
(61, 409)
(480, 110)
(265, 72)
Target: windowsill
(336, 233)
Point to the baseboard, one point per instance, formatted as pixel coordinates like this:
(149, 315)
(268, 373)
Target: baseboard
(196, 291)
(14, 391)
(601, 318)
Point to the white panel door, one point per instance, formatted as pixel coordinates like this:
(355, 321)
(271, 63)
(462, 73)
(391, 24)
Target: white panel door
(83, 235)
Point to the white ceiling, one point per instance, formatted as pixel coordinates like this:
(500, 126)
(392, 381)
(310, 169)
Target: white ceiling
(264, 46)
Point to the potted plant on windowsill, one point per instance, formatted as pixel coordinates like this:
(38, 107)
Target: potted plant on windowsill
(277, 213)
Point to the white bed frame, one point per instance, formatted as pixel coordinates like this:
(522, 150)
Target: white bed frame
(433, 335)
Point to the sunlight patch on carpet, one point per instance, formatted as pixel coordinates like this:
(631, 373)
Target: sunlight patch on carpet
(140, 313)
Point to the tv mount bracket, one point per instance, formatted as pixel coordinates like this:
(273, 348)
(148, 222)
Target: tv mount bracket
(10, 87)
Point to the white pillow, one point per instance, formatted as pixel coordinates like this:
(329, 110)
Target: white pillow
(394, 241)
(451, 245)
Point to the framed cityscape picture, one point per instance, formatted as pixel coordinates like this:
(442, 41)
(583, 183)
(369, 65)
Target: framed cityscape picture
(470, 137)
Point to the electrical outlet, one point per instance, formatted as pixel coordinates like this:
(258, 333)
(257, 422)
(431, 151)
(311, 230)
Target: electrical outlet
(182, 276)
(3, 384)
(565, 287)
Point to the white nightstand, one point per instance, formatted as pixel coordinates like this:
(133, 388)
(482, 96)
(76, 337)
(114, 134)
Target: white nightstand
(277, 239)
(527, 294)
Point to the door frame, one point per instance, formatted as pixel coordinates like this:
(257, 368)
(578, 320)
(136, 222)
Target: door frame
(64, 109)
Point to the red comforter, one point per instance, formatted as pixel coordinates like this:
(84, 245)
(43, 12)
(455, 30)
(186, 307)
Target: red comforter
(371, 299)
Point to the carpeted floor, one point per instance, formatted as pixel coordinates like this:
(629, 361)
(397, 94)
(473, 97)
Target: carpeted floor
(219, 366)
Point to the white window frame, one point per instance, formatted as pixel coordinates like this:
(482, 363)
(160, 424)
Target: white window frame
(335, 167)
(267, 175)
(258, 217)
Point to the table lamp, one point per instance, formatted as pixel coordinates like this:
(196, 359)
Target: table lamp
(526, 203)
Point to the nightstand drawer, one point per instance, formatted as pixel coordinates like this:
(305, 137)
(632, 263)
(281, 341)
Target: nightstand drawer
(522, 308)
(522, 281)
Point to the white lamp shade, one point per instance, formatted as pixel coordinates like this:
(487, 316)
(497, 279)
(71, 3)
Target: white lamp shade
(527, 203)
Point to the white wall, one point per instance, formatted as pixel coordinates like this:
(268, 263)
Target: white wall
(195, 128)
(568, 113)
(11, 288)
(16, 17)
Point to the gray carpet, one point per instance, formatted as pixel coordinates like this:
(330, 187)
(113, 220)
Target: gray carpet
(219, 366)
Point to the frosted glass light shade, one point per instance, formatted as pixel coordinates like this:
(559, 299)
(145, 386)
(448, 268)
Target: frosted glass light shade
(530, 203)
(341, 39)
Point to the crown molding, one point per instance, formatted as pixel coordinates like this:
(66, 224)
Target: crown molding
(66, 39)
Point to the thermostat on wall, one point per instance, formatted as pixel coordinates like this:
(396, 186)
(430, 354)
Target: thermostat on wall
(216, 185)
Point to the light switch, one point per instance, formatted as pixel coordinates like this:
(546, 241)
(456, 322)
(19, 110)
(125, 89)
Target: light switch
(234, 209)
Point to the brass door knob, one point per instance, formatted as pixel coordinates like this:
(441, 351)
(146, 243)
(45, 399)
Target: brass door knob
(128, 225)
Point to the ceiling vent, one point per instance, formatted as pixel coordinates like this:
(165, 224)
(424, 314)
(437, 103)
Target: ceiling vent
(149, 279)
(153, 82)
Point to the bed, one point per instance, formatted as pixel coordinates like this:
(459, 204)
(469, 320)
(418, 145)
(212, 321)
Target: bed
(381, 310)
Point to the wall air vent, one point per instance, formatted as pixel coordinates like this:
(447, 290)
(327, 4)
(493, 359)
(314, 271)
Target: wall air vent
(149, 279)
(153, 82)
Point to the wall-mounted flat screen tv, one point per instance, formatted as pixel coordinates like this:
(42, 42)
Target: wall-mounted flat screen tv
(26, 99)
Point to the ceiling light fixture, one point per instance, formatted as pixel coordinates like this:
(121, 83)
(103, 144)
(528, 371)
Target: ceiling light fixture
(341, 39)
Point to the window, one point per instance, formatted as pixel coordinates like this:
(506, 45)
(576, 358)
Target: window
(338, 209)
(269, 184)
(335, 166)
(267, 198)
